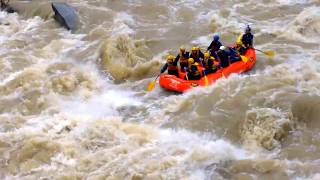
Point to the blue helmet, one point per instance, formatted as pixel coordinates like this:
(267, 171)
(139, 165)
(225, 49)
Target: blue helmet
(216, 37)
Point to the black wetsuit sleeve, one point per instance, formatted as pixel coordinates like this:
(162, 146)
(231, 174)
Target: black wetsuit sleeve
(175, 62)
(164, 68)
(232, 52)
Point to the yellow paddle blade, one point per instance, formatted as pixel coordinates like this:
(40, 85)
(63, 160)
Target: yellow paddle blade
(269, 53)
(244, 59)
(206, 82)
(151, 85)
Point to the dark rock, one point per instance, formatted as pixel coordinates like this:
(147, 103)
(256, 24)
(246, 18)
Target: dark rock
(4, 6)
(65, 15)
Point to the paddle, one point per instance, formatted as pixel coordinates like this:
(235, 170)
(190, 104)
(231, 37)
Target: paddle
(269, 53)
(152, 84)
(244, 58)
(185, 69)
(206, 82)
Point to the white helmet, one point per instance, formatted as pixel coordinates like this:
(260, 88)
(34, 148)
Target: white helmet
(222, 48)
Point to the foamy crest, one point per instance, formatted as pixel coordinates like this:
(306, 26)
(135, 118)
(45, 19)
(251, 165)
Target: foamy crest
(305, 27)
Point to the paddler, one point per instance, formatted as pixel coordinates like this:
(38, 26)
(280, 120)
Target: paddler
(224, 57)
(193, 70)
(171, 65)
(208, 63)
(196, 54)
(182, 58)
(247, 37)
(214, 46)
(239, 46)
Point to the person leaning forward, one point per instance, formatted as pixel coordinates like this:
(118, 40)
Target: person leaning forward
(193, 70)
(208, 63)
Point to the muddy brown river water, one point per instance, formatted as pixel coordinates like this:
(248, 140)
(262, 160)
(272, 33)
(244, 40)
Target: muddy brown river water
(75, 106)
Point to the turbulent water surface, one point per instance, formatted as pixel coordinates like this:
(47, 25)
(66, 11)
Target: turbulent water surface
(74, 106)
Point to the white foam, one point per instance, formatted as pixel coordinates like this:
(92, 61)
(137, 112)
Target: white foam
(222, 149)
(100, 105)
(291, 2)
(121, 24)
(305, 27)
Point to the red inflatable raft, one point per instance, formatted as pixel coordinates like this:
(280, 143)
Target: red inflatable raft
(173, 83)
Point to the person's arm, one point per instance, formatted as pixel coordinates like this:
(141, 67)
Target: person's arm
(164, 68)
(175, 62)
(210, 46)
(201, 56)
(233, 52)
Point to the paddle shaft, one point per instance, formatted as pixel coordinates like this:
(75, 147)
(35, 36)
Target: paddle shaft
(264, 52)
(157, 77)
(204, 73)
(259, 50)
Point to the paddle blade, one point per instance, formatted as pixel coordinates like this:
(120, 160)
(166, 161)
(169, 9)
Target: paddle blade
(244, 59)
(151, 85)
(269, 53)
(206, 82)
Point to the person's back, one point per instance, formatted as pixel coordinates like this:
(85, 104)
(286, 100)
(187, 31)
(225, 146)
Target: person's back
(215, 44)
(224, 57)
(247, 37)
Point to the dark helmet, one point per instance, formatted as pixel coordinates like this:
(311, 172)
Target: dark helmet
(248, 29)
(216, 37)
